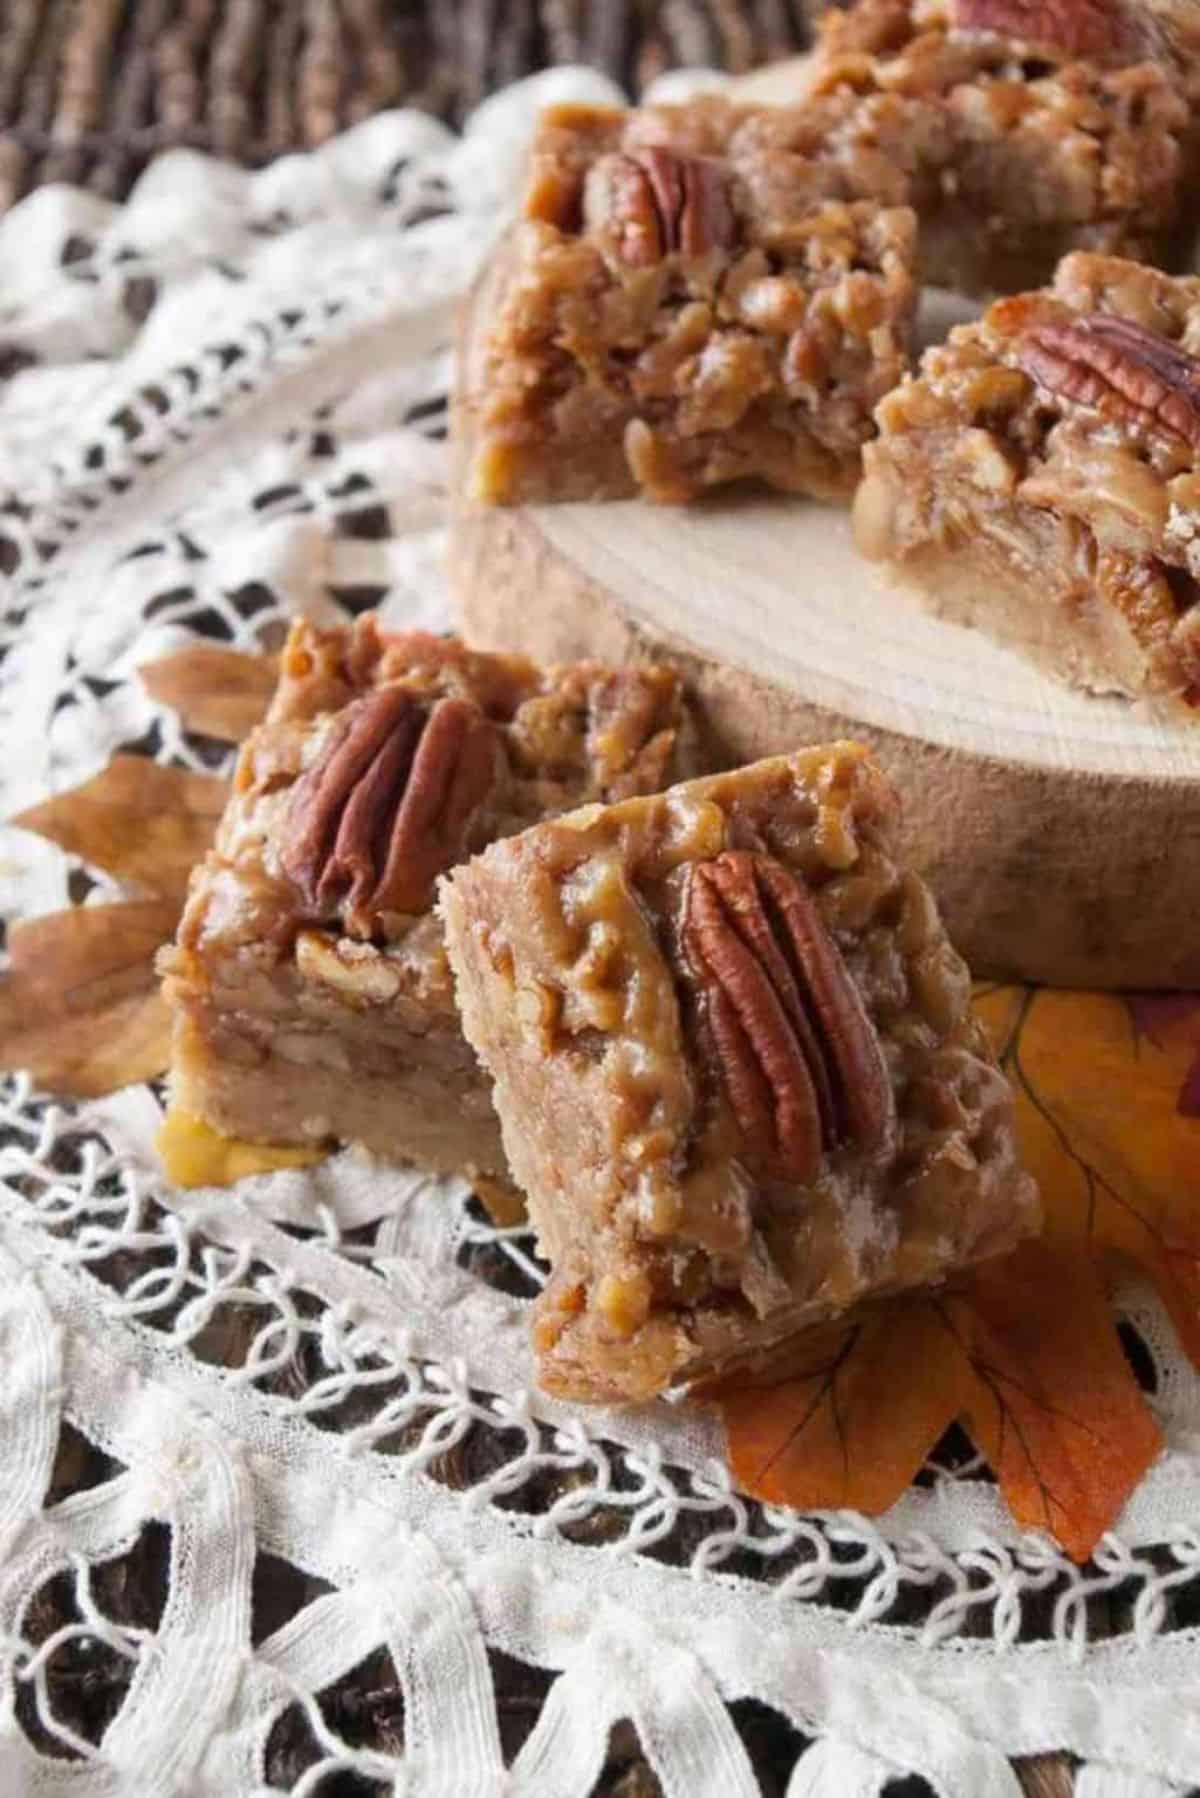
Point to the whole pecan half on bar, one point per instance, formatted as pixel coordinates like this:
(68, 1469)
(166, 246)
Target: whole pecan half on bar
(656, 202)
(388, 804)
(692, 196)
(1118, 368)
(1096, 29)
(798, 1056)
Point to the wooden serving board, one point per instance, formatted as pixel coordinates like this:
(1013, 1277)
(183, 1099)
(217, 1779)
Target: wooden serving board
(1060, 830)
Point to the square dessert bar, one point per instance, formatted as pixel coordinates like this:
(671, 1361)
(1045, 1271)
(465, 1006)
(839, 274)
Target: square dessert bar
(1029, 127)
(310, 989)
(735, 1066)
(695, 294)
(1040, 478)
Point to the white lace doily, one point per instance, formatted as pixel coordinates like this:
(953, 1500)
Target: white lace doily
(225, 404)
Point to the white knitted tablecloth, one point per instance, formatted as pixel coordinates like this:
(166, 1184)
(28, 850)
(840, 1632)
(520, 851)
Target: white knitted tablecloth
(235, 412)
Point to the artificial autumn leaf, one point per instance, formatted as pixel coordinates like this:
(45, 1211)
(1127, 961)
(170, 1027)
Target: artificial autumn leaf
(1023, 1351)
(1104, 1129)
(137, 820)
(1051, 1400)
(80, 1005)
(194, 1154)
(861, 1407)
(217, 692)
(1158, 1017)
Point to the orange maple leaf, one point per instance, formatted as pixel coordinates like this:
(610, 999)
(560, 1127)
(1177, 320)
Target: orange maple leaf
(851, 1424)
(1051, 1399)
(218, 692)
(1023, 1351)
(1105, 1130)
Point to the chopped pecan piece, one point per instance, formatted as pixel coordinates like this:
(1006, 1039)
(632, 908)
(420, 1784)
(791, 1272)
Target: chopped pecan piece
(1118, 368)
(798, 1054)
(629, 734)
(1090, 29)
(387, 806)
(658, 202)
(619, 199)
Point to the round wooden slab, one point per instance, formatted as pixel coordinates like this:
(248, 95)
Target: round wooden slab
(1061, 832)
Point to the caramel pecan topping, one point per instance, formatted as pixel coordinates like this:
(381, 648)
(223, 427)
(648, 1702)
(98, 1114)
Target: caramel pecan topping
(656, 202)
(798, 1055)
(632, 728)
(1084, 28)
(1127, 373)
(387, 806)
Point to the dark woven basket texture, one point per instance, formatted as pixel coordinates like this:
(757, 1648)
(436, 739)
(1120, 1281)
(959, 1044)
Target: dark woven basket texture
(91, 89)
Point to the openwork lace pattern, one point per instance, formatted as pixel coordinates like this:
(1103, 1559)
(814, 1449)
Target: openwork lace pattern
(280, 1509)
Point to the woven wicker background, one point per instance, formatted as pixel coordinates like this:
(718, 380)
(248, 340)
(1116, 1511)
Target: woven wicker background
(90, 89)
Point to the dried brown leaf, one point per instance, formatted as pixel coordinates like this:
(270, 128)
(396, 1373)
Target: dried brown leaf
(80, 1006)
(217, 692)
(140, 822)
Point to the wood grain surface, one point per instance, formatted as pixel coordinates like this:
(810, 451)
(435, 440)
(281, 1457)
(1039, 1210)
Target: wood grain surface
(1060, 831)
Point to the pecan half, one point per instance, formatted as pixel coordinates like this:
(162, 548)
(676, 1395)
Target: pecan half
(692, 196)
(656, 202)
(798, 1055)
(1097, 29)
(1120, 369)
(387, 806)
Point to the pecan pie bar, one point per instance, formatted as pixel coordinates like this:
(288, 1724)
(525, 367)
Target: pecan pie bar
(1040, 478)
(310, 988)
(696, 294)
(1028, 128)
(736, 1068)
